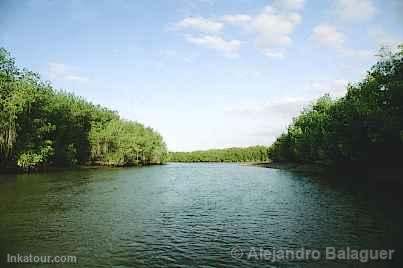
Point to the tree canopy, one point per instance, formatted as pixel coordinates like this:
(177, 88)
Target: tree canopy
(247, 154)
(41, 126)
(363, 127)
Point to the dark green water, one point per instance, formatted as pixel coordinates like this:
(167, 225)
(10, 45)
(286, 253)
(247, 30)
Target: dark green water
(190, 215)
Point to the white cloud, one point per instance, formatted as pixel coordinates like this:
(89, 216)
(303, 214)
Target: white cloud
(288, 4)
(274, 53)
(230, 48)
(336, 88)
(358, 53)
(383, 38)
(237, 19)
(200, 24)
(274, 115)
(282, 109)
(60, 71)
(274, 27)
(328, 35)
(285, 108)
(355, 10)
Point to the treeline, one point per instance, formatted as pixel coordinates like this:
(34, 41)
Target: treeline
(365, 127)
(247, 154)
(41, 126)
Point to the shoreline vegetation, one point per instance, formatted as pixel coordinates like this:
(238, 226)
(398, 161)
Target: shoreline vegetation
(227, 155)
(377, 174)
(17, 170)
(42, 127)
(363, 129)
(361, 132)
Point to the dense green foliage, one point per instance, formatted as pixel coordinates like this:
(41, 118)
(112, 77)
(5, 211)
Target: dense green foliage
(40, 126)
(247, 154)
(363, 127)
(120, 142)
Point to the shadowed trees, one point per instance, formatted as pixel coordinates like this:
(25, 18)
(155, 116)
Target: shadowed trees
(365, 127)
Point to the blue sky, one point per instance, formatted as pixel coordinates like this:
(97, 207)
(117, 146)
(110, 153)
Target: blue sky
(204, 73)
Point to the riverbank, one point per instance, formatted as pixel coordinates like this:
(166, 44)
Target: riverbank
(379, 176)
(94, 166)
(308, 168)
(52, 169)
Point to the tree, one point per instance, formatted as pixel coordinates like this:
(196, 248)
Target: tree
(364, 127)
(41, 126)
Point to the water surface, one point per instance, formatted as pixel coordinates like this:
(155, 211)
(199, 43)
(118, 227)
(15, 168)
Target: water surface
(189, 215)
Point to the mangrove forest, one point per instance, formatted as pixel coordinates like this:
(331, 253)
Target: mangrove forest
(41, 126)
(365, 127)
(247, 154)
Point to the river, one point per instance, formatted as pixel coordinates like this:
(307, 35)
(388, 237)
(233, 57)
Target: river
(192, 215)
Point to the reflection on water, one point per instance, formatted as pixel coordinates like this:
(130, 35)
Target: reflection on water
(189, 215)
